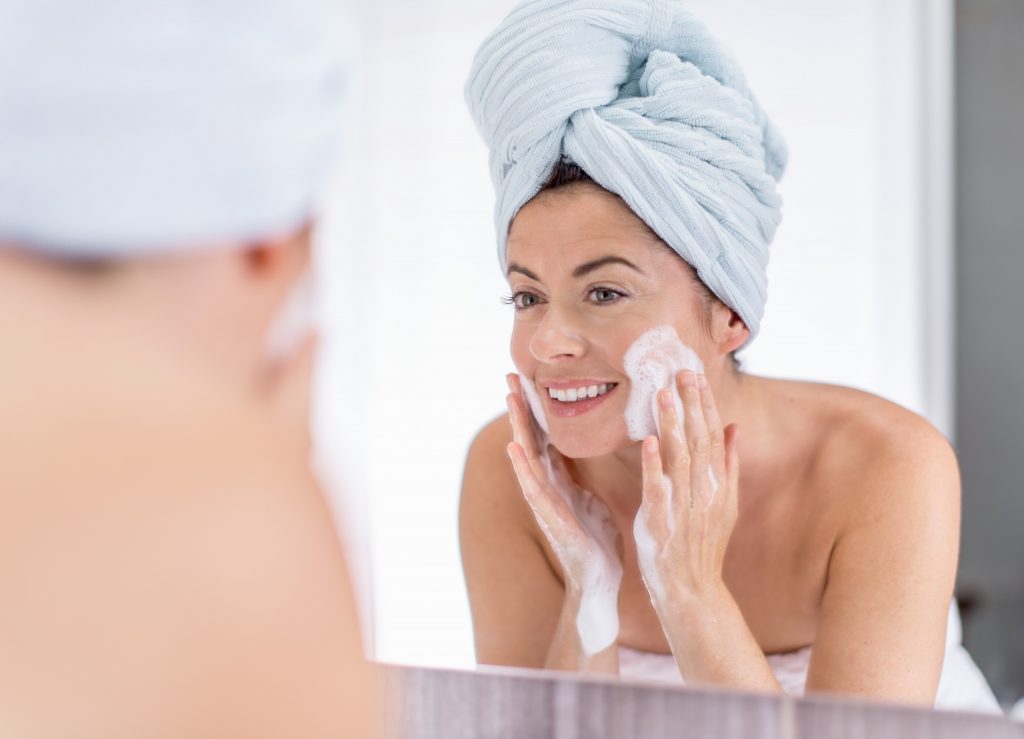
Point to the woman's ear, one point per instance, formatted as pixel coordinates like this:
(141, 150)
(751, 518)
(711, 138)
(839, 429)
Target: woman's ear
(271, 273)
(281, 259)
(728, 330)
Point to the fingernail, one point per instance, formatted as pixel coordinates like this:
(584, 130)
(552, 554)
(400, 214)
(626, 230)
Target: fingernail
(665, 399)
(508, 381)
(651, 445)
(702, 382)
(688, 379)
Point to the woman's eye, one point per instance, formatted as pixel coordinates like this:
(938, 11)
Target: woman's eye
(605, 295)
(526, 300)
(522, 300)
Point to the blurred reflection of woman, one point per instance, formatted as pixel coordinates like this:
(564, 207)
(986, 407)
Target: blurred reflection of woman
(168, 564)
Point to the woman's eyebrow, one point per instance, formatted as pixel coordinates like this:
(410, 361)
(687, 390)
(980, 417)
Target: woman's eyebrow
(588, 267)
(513, 267)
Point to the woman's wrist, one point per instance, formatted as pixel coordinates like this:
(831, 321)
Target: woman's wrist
(690, 610)
(569, 649)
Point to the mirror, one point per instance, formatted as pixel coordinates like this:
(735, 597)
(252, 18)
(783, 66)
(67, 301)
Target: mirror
(861, 275)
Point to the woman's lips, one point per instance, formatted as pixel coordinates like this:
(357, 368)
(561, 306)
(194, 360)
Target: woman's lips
(562, 409)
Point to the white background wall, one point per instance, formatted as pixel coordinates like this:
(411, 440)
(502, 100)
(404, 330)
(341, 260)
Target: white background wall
(416, 340)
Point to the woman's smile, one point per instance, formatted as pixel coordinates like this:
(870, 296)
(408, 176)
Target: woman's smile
(569, 398)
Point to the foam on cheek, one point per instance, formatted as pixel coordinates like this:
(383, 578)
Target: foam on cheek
(652, 363)
(534, 401)
(294, 320)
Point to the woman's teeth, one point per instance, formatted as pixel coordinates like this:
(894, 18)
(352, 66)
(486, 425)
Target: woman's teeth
(579, 393)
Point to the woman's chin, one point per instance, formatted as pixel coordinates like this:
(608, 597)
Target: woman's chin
(580, 445)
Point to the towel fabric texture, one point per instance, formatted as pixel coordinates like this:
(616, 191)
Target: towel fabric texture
(135, 126)
(654, 109)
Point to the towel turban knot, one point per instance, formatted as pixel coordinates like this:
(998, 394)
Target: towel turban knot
(640, 96)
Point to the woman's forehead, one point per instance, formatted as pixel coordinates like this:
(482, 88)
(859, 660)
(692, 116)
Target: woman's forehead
(564, 229)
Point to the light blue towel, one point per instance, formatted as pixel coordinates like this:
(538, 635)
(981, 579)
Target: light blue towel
(638, 94)
(131, 126)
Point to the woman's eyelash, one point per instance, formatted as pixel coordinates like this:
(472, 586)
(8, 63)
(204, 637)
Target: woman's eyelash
(617, 293)
(515, 299)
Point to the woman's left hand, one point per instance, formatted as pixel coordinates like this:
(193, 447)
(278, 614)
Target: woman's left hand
(689, 507)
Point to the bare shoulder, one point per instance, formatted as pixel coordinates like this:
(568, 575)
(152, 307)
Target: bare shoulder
(490, 489)
(490, 441)
(515, 591)
(890, 481)
(874, 452)
(192, 535)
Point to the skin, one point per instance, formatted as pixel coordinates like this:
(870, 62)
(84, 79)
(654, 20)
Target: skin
(836, 521)
(168, 560)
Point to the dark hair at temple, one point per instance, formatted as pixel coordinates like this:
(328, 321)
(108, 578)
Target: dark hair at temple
(567, 173)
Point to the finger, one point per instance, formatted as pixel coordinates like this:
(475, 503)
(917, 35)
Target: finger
(675, 457)
(522, 432)
(515, 385)
(553, 513)
(697, 441)
(656, 505)
(718, 469)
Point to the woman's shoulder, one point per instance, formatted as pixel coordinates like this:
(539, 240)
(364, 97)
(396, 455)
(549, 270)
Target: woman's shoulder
(492, 439)
(175, 487)
(869, 448)
(488, 471)
(863, 426)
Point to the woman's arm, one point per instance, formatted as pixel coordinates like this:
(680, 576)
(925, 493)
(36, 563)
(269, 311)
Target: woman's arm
(890, 576)
(522, 615)
(892, 570)
(689, 508)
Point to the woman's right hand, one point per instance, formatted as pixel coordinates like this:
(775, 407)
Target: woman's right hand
(576, 523)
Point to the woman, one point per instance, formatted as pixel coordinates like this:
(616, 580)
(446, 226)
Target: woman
(168, 564)
(646, 507)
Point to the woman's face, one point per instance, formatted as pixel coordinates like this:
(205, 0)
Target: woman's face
(588, 278)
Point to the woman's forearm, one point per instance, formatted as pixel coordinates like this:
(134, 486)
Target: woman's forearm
(713, 645)
(566, 651)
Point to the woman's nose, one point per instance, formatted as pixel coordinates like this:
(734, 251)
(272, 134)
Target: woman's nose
(557, 338)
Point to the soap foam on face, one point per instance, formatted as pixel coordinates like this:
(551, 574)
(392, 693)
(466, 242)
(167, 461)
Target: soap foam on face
(294, 321)
(652, 363)
(535, 403)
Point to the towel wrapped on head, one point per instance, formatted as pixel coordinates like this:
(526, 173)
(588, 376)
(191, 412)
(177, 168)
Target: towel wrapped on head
(654, 109)
(134, 126)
